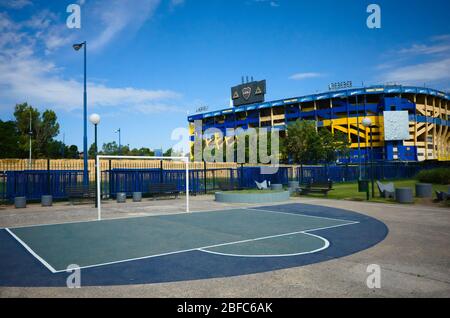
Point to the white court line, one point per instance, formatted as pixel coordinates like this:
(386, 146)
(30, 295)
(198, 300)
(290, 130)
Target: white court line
(168, 214)
(120, 218)
(202, 249)
(299, 214)
(306, 232)
(325, 246)
(40, 259)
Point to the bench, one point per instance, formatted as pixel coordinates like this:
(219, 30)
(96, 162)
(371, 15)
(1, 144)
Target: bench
(163, 189)
(386, 190)
(79, 194)
(316, 187)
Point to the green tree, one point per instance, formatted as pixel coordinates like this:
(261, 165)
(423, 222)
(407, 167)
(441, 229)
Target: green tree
(47, 129)
(55, 149)
(71, 152)
(43, 129)
(91, 151)
(141, 152)
(168, 153)
(9, 140)
(110, 148)
(334, 145)
(303, 143)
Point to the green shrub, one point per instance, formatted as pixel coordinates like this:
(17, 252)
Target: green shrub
(438, 175)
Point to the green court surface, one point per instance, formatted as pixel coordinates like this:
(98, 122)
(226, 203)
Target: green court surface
(238, 232)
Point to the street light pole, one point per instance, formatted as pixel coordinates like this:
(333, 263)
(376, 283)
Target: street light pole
(77, 47)
(120, 147)
(30, 132)
(367, 123)
(95, 120)
(371, 163)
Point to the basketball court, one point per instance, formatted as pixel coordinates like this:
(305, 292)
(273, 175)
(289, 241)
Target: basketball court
(183, 246)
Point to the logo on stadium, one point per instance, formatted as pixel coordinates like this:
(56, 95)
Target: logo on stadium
(246, 92)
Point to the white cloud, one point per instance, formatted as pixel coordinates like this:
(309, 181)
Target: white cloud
(302, 76)
(24, 76)
(113, 17)
(421, 49)
(15, 4)
(417, 64)
(420, 73)
(175, 3)
(272, 3)
(39, 82)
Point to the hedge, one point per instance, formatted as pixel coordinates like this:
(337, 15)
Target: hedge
(438, 175)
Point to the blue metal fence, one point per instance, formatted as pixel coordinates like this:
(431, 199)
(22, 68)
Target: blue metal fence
(352, 173)
(139, 180)
(35, 183)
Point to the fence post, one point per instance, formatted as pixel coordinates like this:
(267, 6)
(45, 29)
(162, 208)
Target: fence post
(48, 177)
(161, 172)
(204, 175)
(109, 176)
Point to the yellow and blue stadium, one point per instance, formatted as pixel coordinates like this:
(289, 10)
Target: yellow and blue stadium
(343, 110)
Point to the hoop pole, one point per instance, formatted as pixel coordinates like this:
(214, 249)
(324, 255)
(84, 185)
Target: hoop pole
(99, 211)
(187, 184)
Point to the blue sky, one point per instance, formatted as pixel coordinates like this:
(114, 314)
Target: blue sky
(150, 62)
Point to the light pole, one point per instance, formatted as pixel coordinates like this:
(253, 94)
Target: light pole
(77, 47)
(367, 123)
(95, 120)
(30, 132)
(120, 147)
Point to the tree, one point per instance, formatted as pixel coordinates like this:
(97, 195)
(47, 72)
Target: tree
(9, 140)
(91, 151)
(305, 144)
(110, 148)
(334, 145)
(302, 143)
(71, 152)
(141, 152)
(168, 153)
(55, 149)
(43, 129)
(47, 128)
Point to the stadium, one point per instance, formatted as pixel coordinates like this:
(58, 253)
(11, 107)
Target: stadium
(342, 110)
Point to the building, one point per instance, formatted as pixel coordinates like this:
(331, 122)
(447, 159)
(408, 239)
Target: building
(428, 114)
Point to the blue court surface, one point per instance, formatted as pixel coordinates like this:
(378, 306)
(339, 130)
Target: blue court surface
(184, 246)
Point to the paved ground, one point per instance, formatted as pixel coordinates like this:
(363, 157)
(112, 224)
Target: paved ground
(414, 258)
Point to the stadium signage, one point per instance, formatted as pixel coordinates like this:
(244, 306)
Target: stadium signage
(248, 93)
(202, 109)
(340, 85)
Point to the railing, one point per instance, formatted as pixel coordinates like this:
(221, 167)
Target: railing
(54, 176)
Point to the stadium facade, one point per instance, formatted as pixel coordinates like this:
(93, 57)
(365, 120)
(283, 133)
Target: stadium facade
(428, 115)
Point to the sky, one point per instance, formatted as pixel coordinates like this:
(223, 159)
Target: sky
(153, 62)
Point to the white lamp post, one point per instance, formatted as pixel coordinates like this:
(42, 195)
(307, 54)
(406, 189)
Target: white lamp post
(95, 120)
(367, 123)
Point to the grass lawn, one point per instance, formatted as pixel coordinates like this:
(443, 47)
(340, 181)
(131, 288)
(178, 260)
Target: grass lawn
(349, 191)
